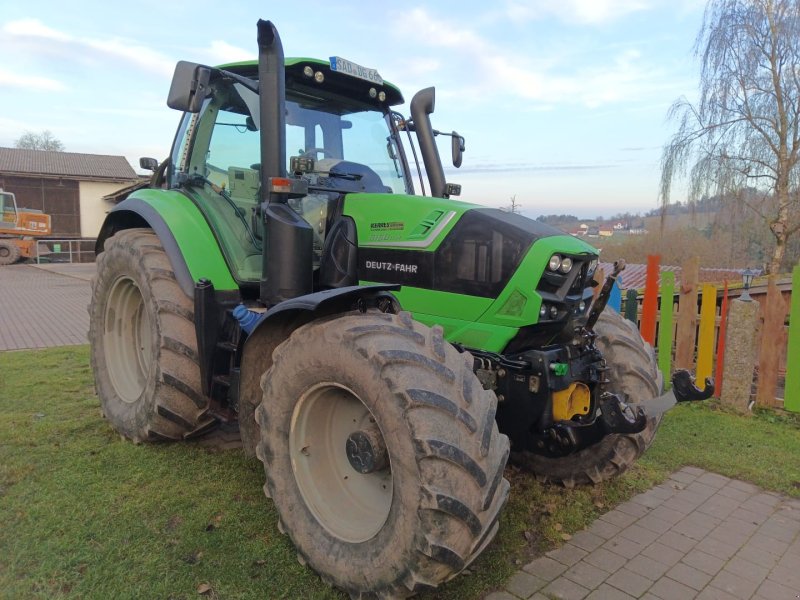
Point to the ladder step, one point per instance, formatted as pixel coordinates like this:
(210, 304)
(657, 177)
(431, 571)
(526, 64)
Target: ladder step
(223, 380)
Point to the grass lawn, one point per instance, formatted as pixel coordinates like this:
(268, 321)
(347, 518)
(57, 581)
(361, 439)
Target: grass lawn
(84, 514)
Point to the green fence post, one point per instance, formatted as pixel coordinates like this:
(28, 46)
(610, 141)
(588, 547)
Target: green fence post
(632, 306)
(665, 324)
(791, 396)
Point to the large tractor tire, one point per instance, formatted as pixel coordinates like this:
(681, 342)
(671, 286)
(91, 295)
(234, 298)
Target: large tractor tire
(381, 453)
(144, 347)
(9, 253)
(633, 374)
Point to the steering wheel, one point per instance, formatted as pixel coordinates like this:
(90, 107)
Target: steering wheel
(312, 153)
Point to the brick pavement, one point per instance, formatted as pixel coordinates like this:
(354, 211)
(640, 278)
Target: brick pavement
(697, 536)
(40, 308)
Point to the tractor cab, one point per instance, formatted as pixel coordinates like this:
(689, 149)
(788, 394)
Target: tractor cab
(340, 138)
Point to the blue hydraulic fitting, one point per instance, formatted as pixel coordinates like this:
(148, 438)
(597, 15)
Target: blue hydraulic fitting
(248, 319)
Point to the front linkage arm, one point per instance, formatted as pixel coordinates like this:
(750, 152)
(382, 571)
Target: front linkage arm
(616, 415)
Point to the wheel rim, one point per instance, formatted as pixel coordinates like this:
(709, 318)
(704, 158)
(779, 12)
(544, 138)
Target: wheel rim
(127, 339)
(350, 505)
(5, 251)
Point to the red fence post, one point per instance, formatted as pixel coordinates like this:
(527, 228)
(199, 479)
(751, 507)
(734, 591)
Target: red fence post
(650, 302)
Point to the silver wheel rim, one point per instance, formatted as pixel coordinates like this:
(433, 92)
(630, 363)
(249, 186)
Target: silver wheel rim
(350, 505)
(127, 339)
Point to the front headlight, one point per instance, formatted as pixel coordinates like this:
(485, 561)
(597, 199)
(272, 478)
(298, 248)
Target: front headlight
(555, 262)
(566, 264)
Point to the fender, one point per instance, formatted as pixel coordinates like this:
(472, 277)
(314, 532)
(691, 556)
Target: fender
(188, 240)
(277, 325)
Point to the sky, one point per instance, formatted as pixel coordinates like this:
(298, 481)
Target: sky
(563, 103)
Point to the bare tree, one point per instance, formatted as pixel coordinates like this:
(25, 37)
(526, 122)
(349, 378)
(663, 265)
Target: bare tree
(745, 130)
(39, 141)
(514, 207)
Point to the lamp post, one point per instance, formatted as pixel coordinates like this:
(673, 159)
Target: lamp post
(747, 280)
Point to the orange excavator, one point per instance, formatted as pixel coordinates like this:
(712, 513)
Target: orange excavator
(19, 228)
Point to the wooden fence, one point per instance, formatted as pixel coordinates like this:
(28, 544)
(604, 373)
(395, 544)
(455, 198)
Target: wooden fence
(688, 326)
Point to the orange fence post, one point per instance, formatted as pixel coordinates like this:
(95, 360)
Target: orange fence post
(650, 301)
(723, 327)
(771, 345)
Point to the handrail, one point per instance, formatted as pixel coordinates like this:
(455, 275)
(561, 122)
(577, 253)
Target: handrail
(74, 248)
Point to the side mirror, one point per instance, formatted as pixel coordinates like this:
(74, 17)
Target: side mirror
(148, 164)
(458, 146)
(189, 87)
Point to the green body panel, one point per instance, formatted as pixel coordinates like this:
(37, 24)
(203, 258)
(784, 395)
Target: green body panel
(518, 304)
(403, 222)
(422, 223)
(194, 236)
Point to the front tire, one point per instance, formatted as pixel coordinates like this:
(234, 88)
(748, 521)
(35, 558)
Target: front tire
(143, 343)
(634, 375)
(9, 253)
(432, 502)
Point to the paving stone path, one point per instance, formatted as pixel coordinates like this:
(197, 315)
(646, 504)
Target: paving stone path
(698, 535)
(41, 308)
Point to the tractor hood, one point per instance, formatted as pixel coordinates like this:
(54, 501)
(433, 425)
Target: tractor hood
(422, 223)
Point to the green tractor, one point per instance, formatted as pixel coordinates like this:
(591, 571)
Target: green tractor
(382, 352)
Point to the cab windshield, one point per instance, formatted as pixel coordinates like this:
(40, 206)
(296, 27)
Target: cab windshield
(342, 138)
(337, 145)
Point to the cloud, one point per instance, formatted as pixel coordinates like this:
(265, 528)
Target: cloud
(222, 52)
(582, 12)
(34, 28)
(492, 167)
(81, 48)
(9, 79)
(549, 80)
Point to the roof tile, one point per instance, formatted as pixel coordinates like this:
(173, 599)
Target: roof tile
(634, 275)
(65, 164)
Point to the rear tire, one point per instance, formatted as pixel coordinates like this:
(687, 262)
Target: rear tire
(435, 505)
(634, 375)
(143, 343)
(9, 253)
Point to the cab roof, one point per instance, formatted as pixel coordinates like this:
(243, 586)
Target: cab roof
(343, 83)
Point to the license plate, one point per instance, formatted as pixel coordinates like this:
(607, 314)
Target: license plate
(342, 65)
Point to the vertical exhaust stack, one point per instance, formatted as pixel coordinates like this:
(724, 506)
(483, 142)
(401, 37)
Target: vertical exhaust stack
(422, 105)
(287, 258)
(272, 94)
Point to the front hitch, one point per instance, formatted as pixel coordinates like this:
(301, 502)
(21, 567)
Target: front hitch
(683, 390)
(617, 416)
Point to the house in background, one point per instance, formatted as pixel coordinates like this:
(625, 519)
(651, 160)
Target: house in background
(66, 185)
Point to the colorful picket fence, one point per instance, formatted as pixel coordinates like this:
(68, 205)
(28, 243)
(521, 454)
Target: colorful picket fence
(688, 328)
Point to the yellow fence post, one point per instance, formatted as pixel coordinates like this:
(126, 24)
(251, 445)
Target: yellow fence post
(705, 337)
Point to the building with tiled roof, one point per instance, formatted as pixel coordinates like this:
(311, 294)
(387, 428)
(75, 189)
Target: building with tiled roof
(634, 275)
(69, 186)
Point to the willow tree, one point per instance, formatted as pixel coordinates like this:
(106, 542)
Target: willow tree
(744, 132)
